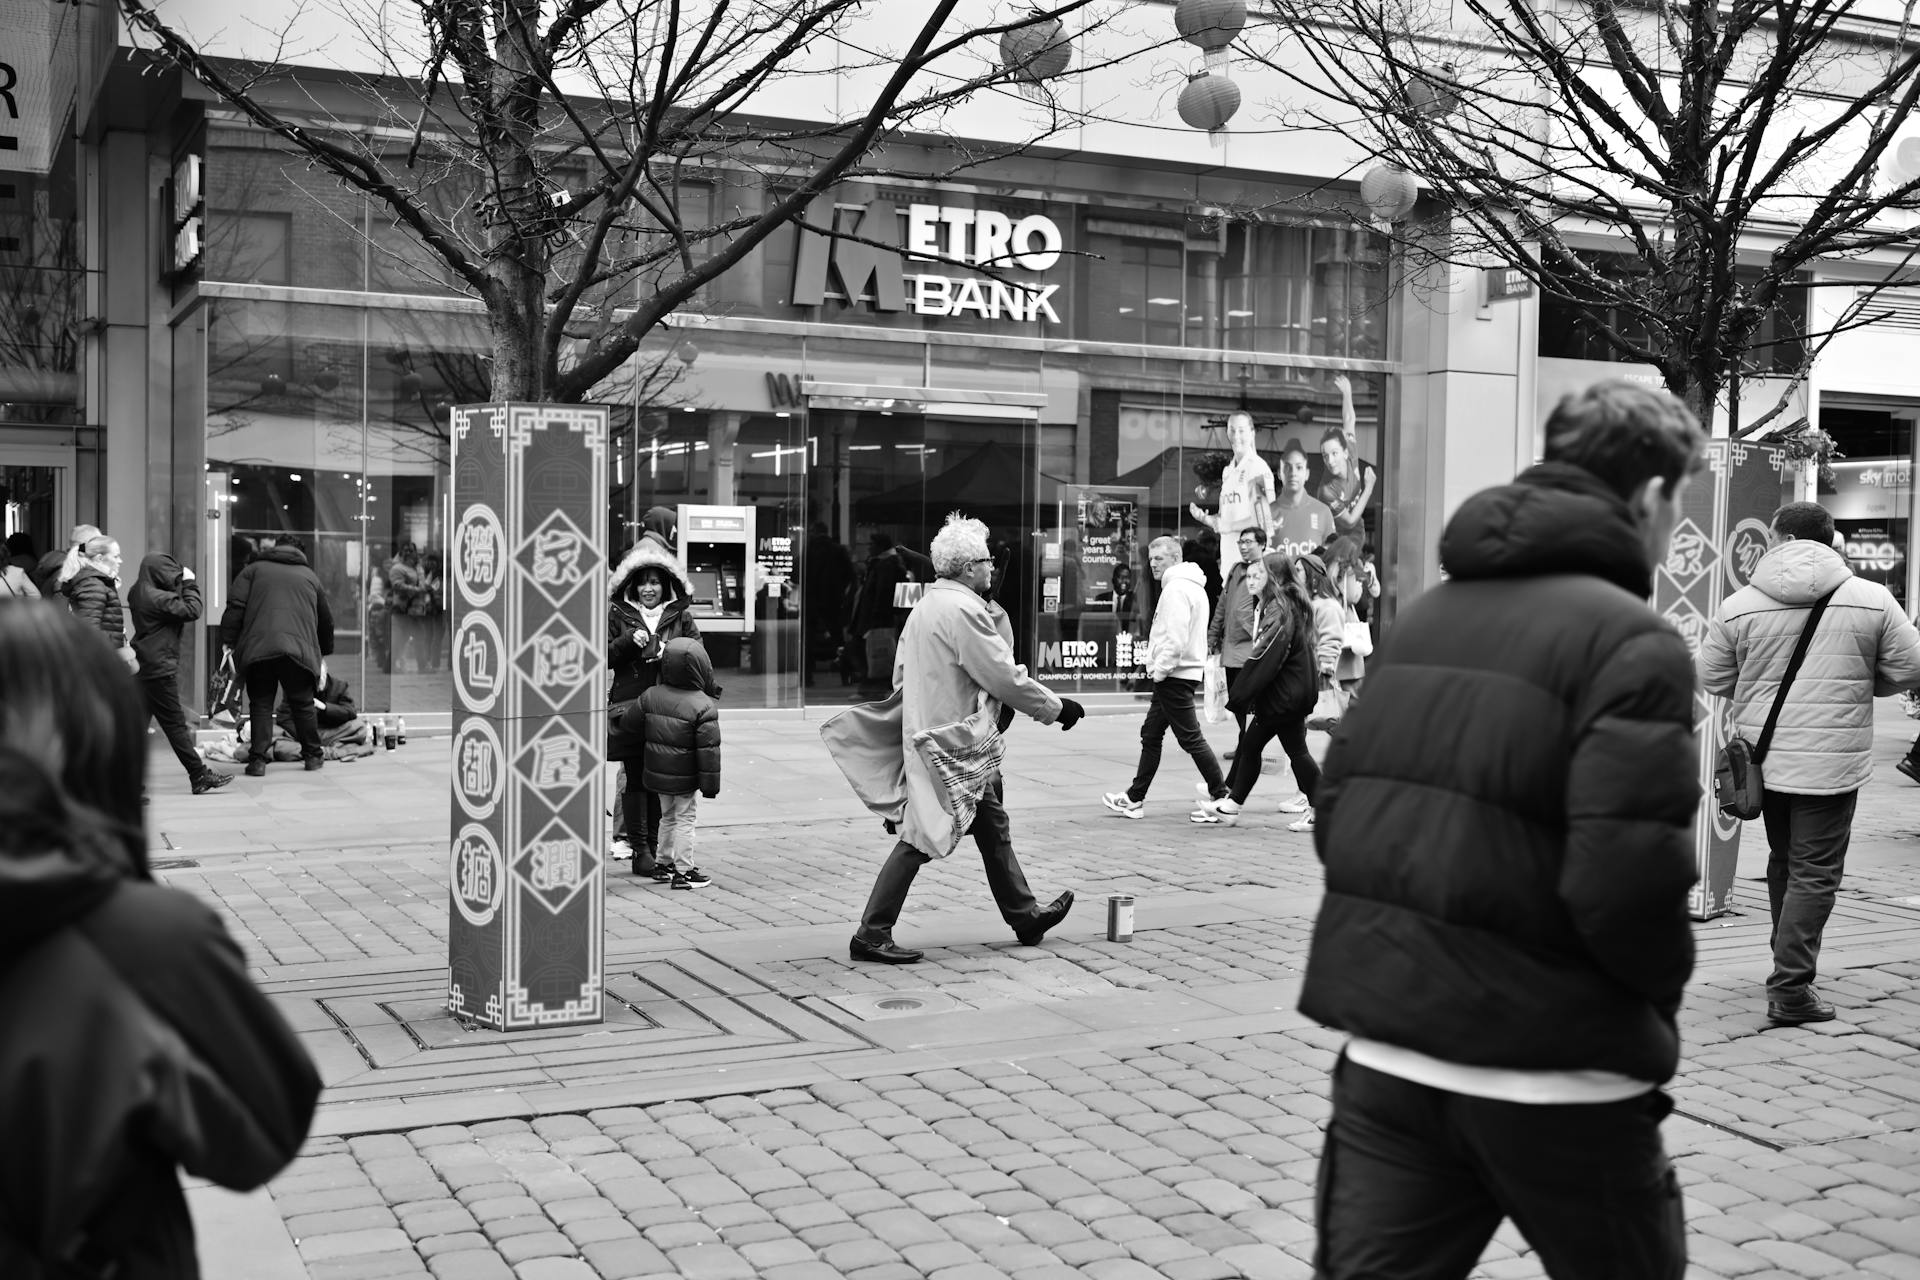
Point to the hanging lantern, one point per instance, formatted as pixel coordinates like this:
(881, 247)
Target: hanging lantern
(1433, 94)
(1208, 102)
(1389, 192)
(1211, 24)
(686, 352)
(1036, 52)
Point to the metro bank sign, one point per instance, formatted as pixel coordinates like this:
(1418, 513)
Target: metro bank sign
(873, 268)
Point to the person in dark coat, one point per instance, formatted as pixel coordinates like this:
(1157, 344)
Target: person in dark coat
(647, 608)
(92, 592)
(333, 711)
(280, 627)
(133, 1046)
(163, 600)
(1230, 634)
(47, 574)
(1506, 823)
(1275, 689)
(681, 761)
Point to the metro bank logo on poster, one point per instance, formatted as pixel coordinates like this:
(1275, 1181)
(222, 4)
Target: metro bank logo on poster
(867, 259)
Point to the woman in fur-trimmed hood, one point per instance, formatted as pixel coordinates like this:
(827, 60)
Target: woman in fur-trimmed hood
(647, 606)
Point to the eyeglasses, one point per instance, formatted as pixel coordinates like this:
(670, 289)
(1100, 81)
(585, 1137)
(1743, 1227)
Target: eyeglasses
(982, 560)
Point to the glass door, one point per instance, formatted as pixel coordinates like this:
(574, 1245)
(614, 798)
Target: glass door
(36, 500)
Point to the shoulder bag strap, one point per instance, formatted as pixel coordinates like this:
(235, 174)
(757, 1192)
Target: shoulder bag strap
(1793, 669)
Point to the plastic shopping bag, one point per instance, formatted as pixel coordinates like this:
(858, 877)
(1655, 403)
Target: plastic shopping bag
(1213, 691)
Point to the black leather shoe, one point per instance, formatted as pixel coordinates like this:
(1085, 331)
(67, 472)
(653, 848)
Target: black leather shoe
(1907, 767)
(1053, 915)
(256, 769)
(885, 952)
(313, 763)
(1805, 1006)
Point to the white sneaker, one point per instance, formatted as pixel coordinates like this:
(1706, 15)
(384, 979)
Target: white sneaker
(1120, 804)
(1298, 804)
(1215, 813)
(619, 848)
(1303, 824)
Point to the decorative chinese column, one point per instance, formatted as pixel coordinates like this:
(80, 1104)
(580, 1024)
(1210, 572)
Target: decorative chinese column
(525, 869)
(1720, 538)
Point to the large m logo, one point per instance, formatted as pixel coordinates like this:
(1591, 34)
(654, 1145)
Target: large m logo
(862, 266)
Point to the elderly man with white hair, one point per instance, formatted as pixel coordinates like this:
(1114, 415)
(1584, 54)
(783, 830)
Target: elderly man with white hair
(954, 668)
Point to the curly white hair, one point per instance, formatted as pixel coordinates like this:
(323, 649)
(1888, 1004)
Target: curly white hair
(959, 543)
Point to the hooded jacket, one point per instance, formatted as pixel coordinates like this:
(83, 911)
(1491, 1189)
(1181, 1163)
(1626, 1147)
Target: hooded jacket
(682, 724)
(1863, 648)
(162, 601)
(132, 1042)
(1177, 642)
(634, 652)
(276, 608)
(95, 600)
(1506, 817)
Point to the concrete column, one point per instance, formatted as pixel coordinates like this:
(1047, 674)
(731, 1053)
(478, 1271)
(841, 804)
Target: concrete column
(130, 377)
(723, 432)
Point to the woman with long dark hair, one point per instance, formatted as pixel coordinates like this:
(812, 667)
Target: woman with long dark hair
(133, 1046)
(1276, 689)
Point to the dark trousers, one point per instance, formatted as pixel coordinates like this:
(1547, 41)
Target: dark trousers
(1172, 708)
(1292, 733)
(1414, 1181)
(163, 704)
(641, 808)
(1807, 838)
(993, 835)
(281, 676)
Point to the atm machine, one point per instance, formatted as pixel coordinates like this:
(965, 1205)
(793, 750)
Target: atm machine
(716, 553)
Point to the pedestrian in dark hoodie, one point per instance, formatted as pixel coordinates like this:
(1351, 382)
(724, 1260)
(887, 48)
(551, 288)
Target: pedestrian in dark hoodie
(281, 631)
(1507, 821)
(133, 1046)
(647, 608)
(164, 598)
(681, 760)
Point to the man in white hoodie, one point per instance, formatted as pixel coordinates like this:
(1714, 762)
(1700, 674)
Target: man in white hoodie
(1176, 654)
(1822, 747)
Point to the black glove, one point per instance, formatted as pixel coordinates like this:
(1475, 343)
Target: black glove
(1070, 713)
(1004, 721)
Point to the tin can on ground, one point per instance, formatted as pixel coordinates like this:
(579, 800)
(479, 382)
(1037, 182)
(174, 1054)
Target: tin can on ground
(1120, 917)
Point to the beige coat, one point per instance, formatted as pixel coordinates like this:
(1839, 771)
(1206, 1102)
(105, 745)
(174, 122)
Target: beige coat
(955, 655)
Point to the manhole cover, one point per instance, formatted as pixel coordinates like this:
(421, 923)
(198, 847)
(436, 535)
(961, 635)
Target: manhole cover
(894, 1004)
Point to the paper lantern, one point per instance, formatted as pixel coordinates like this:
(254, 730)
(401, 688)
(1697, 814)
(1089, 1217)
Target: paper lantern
(1389, 193)
(1209, 101)
(1036, 52)
(1433, 94)
(1213, 25)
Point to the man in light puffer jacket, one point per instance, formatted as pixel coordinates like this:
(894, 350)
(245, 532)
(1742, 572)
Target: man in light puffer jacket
(1822, 748)
(1176, 657)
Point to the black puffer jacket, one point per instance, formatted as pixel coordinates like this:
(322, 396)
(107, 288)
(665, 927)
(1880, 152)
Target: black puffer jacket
(276, 608)
(132, 1042)
(681, 724)
(162, 601)
(635, 663)
(95, 600)
(1279, 682)
(1506, 816)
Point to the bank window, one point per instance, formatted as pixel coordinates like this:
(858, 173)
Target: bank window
(250, 248)
(1135, 289)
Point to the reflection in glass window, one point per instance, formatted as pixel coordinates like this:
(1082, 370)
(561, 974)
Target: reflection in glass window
(1135, 290)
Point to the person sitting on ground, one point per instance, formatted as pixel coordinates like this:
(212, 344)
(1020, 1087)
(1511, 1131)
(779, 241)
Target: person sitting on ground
(333, 709)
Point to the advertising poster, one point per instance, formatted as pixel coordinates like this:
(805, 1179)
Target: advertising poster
(1092, 621)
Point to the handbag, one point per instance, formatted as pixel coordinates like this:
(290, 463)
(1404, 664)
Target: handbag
(1739, 787)
(1213, 691)
(1357, 637)
(1327, 709)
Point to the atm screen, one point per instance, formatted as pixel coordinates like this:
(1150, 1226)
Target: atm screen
(706, 590)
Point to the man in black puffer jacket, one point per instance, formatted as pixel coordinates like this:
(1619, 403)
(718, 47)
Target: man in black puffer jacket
(281, 630)
(1505, 822)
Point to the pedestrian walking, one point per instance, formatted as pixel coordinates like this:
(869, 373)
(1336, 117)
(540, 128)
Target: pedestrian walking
(163, 599)
(53, 569)
(1230, 634)
(133, 1045)
(90, 584)
(646, 610)
(1506, 825)
(1176, 651)
(1275, 691)
(1812, 729)
(280, 628)
(956, 687)
(681, 759)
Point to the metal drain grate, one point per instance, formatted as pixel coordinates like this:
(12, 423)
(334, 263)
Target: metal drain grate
(901, 1004)
(893, 1004)
(171, 864)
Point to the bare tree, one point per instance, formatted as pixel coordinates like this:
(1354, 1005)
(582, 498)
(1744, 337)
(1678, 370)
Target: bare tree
(1721, 151)
(566, 131)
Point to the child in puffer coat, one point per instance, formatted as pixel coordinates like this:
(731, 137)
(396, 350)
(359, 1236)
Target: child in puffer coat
(681, 759)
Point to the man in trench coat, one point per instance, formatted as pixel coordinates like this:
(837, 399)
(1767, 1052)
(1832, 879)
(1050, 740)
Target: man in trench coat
(954, 662)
